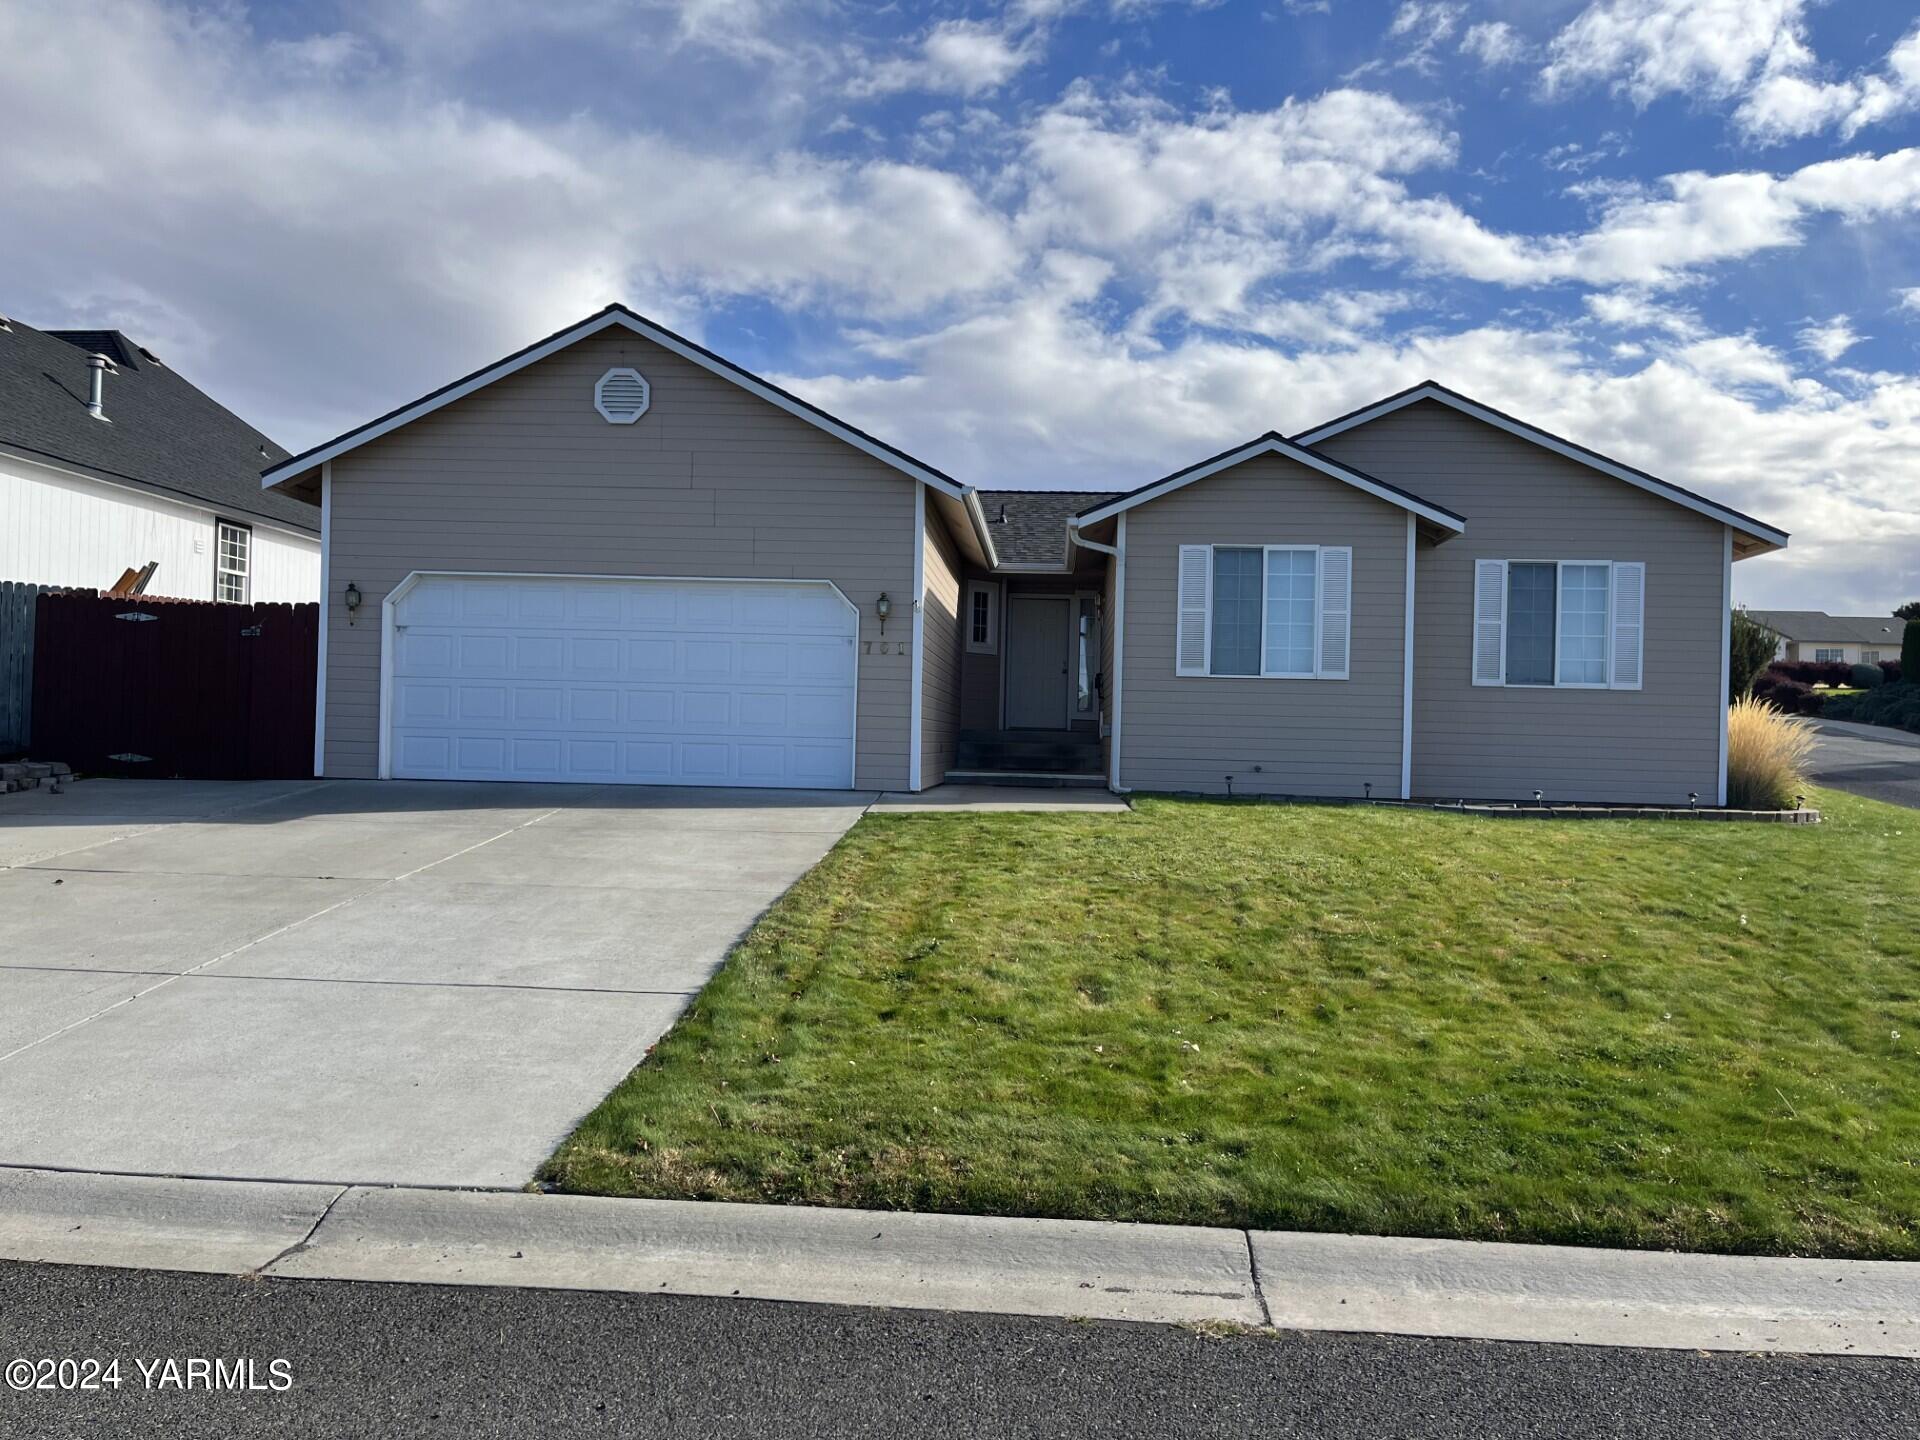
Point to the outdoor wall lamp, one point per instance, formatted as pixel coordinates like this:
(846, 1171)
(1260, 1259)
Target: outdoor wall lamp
(883, 607)
(352, 600)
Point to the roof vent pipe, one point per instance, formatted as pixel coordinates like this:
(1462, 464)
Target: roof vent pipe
(97, 364)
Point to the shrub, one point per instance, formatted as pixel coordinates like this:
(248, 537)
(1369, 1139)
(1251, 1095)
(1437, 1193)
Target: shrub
(1766, 756)
(1895, 705)
(1750, 645)
(1814, 672)
(1790, 697)
(1910, 649)
(1868, 677)
(1891, 669)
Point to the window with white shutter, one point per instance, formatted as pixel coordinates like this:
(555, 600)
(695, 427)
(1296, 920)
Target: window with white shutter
(1336, 604)
(1559, 624)
(1629, 622)
(1269, 612)
(1196, 591)
(1490, 622)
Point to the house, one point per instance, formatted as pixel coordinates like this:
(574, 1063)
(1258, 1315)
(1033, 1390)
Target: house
(616, 556)
(1850, 639)
(111, 462)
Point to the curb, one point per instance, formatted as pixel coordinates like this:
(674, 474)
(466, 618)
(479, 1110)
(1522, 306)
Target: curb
(1065, 1268)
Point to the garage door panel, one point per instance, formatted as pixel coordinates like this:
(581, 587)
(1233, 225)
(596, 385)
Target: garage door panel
(639, 682)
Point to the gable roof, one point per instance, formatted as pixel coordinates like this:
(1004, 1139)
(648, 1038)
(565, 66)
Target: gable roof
(165, 436)
(1765, 537)
(1030, 526)
(1274, 443)
(619, 315)
(1804, 625)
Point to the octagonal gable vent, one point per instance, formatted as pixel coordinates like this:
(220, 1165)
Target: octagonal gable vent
(622, 396)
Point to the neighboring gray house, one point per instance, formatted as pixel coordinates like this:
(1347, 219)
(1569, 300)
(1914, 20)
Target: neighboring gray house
(1850, 639)
(615, 556)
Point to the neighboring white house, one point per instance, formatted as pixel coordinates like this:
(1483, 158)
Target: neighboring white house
(1849, 639)
(111, 462)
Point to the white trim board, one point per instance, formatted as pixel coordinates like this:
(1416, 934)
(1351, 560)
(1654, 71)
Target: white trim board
(626, 319)
(1406, 672)
(1272, 445)
(326, 605)
(916, 705)
(384, 769)
(1766, 534)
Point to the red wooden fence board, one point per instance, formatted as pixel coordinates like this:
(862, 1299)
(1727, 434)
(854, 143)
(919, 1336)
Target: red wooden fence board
(197, 689)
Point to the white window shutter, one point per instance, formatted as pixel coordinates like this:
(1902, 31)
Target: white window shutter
(1629, 623)
(1196, 593)
(1489, 622)
(1336, 610)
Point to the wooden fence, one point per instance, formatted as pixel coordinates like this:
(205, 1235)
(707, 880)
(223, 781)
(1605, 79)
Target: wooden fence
(17, 603)
(133, 685)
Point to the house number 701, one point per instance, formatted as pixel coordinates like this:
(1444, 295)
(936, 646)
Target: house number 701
(883, 647)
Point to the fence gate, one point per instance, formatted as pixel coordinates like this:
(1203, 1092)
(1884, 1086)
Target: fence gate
(133, 685)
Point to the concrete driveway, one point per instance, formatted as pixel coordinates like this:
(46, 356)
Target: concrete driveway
(1870, 760)
(416, 983)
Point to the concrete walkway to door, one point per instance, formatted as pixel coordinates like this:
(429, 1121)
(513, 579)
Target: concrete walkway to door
(405, 983)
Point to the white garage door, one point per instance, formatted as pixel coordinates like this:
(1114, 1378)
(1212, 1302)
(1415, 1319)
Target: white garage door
(639, 682)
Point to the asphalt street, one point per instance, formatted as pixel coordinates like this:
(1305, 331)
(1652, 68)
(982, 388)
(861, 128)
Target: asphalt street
(1881, 767)
(390, 1360)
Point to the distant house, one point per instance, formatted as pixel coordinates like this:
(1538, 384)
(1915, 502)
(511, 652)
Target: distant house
(111, 462)
(1816, 635)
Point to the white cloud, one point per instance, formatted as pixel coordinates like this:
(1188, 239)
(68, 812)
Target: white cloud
(347, 217)
(1494, 43)
(1909, 298)
(1754, 50)
(1036, 390)
(1790, 101)
(1313, 180)
(1649, 48)
(1632, 310)
(967, 57)
(1830, 339)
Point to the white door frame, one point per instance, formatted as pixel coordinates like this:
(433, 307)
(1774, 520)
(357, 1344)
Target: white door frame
(414, 577)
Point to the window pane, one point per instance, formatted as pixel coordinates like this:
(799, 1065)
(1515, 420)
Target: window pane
(1236, 611)
(1583, 624)
(1290, 607)
(1529, 624)
(980, 617)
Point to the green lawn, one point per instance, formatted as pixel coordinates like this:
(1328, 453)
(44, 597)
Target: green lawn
(1646, 1034)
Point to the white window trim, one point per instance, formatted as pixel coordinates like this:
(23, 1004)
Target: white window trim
(990, 589)
(219, 568)
(1319, 602)
(1559, 620)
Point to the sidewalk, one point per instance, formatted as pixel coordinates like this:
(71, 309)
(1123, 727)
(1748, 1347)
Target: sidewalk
(1067, 1268)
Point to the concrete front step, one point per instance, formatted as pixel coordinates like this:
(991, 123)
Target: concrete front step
(1033, 779)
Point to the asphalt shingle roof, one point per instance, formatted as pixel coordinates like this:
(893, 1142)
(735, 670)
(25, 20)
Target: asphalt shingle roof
(1034, 530)
(166, 435)
(1817, 625)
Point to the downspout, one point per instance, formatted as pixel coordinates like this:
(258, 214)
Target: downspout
(1118, 550)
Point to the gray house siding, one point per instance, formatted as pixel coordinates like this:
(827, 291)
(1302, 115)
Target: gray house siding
(1525, 502)
(1307, 737)
(980, 669)
(940, 653)
(525, 476)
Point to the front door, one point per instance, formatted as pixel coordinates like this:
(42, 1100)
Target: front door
(1037, 627)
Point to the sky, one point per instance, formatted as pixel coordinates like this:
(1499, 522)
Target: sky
(1047, 243)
